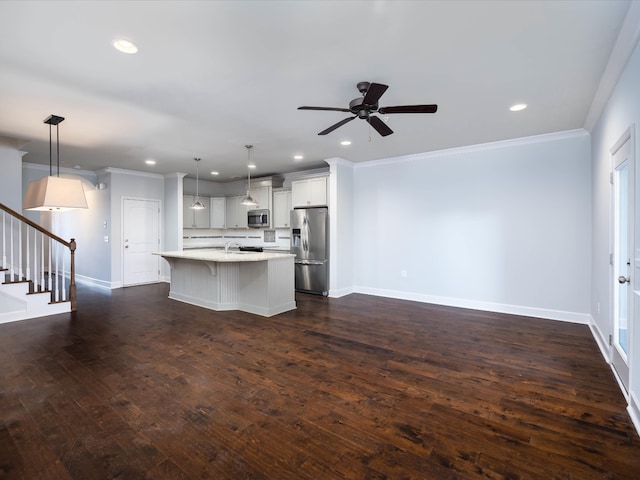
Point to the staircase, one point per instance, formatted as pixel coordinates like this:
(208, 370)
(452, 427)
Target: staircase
(37, 270)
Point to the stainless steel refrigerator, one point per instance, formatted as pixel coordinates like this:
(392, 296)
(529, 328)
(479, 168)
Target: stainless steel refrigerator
(310, 244)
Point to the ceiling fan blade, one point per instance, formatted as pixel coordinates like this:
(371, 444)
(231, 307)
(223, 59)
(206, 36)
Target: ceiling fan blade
(374, 93)
(333, 109)
(339, 124)
(409, 109)
(380, 126)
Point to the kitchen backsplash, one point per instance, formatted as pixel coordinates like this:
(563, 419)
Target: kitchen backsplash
(278, 238)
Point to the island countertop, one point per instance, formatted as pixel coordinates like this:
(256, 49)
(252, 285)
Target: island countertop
(218, 255)
(262, 283)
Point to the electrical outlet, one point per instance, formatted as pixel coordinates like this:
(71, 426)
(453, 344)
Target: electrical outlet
(403, 273)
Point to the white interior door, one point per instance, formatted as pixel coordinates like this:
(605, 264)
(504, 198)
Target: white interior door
(623, 188)
(141, 237)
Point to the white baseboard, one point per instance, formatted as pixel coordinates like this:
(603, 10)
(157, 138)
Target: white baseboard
(634, 411)
(561, 315)
(342, 292)
(94, 282)
(601, 341)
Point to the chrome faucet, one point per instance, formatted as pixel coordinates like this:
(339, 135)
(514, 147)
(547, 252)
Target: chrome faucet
(230, 244)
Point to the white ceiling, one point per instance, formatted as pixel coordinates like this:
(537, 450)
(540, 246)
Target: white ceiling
(212, 76)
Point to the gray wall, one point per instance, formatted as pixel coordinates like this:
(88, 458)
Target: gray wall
(621, 113)
(503, 227)
(10, 184)
(127, 184)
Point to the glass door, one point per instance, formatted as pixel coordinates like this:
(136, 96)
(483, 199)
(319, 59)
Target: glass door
(623, 248)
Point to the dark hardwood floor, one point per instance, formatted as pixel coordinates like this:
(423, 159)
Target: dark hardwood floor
(135, 385)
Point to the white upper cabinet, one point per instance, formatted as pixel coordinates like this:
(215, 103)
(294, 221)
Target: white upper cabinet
(281, 209)
(309, 192)
(217, 212)
(261, 195)
(236, 213)
(194, 218)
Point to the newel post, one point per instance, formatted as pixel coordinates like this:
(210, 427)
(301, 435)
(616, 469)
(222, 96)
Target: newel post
(72, 282)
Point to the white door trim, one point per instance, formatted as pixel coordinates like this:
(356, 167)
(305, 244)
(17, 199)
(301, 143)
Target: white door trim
(614, 356)
(122, 231)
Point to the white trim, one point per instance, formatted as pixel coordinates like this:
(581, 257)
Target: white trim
(123, 200)
(342, 292)
(94, 282)
(627, 136)
(178, 175)
(618, 59)
(601, 340)
(634, 411)
(514, 142)
(74, 171)
(561, 315)
(123, 171)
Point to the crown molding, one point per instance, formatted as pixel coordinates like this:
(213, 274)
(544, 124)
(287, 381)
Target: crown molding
(482, 147)
(620, 55)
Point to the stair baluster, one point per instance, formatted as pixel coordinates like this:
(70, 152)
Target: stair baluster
(41, 262)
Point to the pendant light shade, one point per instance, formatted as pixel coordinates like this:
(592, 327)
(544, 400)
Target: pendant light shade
(55, 193)
(197, 204)
(248, 199)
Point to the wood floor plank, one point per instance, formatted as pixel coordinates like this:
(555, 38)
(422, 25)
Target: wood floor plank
(135, 385)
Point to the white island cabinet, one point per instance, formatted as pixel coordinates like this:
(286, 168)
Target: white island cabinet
(255, 282)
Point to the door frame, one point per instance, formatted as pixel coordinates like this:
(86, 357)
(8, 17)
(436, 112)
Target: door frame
(634, 284)
(123, 200)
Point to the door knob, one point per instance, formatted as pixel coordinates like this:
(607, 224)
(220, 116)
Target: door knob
(622, 279)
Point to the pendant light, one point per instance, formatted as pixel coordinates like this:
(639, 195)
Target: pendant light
(55, 193)
(197, 205)
(248, 200)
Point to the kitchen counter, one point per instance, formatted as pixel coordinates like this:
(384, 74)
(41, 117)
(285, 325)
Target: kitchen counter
(255, 282)
(219, 255)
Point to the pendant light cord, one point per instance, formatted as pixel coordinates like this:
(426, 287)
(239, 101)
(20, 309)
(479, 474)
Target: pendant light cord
(50, 153)
(197, 177)
(249, 147)
(58, 149)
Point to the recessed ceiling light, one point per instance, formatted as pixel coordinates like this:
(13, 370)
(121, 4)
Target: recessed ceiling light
(252, 167)
(150, 162)
(517, 107)
(125, 46)
(345, 142)
(215, 173)
(298, 157)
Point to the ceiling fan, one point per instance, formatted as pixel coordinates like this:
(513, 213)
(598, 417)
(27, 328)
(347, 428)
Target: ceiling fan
(364, 106)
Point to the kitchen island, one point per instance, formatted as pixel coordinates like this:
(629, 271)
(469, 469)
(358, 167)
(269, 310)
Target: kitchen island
(255, 282)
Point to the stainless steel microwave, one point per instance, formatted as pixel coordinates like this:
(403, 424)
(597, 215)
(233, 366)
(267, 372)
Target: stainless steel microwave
(258, 218)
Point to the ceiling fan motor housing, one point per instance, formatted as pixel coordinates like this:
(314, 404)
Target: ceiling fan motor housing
(363, 87)
(361, 109)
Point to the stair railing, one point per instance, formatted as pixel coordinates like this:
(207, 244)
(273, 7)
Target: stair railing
(32, 254)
